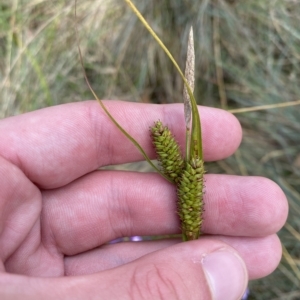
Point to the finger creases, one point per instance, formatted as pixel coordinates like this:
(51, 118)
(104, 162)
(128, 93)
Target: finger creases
(105, 205)
(56, 145)
(20, 207)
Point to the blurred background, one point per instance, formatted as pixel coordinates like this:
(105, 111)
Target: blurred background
(247, 55)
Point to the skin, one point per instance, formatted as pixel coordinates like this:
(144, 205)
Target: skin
(57, 212)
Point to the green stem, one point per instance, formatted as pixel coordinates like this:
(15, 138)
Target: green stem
(136, 144)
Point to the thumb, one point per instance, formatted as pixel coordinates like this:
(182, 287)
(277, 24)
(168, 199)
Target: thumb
(203, 269)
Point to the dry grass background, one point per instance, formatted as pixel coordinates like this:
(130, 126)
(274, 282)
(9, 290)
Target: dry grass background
(247, 54)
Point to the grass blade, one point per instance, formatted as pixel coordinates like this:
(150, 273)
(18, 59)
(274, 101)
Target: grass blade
(136, 144)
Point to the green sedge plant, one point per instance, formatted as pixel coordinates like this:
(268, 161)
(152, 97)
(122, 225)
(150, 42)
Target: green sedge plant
(185, 172)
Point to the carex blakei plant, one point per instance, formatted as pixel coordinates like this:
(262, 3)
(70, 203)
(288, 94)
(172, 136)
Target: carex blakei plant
(185, 172)
(188, 173)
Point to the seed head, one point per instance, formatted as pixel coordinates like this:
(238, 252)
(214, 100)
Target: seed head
(167, 150)
(190, 199)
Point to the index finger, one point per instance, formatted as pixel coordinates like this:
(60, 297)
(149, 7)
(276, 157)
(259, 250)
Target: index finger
(55, 145)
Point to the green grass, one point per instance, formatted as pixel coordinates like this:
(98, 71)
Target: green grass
(247, 54)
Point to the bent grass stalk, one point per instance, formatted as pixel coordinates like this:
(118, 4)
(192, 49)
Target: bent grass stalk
(186, 174)
(136, 144)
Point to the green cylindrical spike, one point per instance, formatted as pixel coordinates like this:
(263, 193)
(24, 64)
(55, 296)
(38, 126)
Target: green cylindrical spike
(167, 150)
(190, 205)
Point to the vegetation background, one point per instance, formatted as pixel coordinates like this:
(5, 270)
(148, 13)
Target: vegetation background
(247, 55)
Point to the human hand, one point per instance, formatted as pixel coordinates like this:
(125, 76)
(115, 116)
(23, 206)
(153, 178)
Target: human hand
(57, 212)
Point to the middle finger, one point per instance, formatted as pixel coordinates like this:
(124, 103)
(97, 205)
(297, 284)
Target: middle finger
(105, 205)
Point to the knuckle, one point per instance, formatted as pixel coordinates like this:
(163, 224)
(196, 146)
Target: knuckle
(157, 282)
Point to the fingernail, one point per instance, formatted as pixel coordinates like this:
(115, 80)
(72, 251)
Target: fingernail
(226, 275)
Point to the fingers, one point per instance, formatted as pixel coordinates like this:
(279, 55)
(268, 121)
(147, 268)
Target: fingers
(184, 271)
(246, 206)
(56, 145)
(261, 255)
(106, 205)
